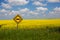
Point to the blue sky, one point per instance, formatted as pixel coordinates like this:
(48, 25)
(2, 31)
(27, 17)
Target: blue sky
(30, 9)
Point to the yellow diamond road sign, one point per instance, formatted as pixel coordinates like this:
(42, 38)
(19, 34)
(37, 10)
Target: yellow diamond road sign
(17, 19)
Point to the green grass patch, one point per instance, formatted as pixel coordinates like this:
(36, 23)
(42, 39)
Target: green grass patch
(30, 34)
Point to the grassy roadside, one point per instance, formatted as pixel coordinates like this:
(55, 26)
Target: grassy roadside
(30, 34)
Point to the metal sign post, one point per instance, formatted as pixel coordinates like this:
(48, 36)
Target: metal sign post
(17, 19)
(17, 25)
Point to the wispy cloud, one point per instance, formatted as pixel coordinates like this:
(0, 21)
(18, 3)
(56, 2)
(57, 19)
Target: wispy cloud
(53, 1)
(37, 3)
(7, 6)
(18, 2)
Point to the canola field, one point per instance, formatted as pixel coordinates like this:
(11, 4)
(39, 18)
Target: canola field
(47, 29)
(31, 23)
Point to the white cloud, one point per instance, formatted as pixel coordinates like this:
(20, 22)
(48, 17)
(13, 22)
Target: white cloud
(8, 6)
(25, 10)
(47, 0)
(53, 0)
(18, 2)
(56, 11)
(38, 0)
(13, 12)
(12, 3)
(39, 11)
(37, 3)
(26, 13)
(8, 12)
(3, 10)
(33, 12)
(41, 0)
(41, 8)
